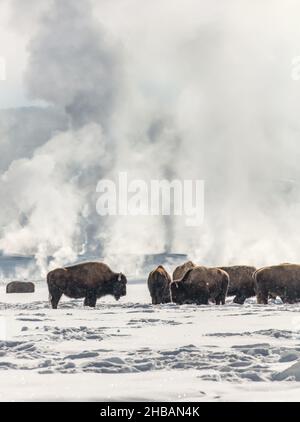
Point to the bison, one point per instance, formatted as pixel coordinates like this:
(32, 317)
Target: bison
(241, 282)
(281, 280)
(20, 287)
(90, 280)
(159, 285)
(199, 284)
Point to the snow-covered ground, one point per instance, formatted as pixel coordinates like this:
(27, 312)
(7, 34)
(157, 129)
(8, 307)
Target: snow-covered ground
(131, 350)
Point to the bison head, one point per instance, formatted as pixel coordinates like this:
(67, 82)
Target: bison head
(181, 293)
(119, 287)
(177, 292)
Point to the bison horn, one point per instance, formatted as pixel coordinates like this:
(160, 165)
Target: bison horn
(120, 277)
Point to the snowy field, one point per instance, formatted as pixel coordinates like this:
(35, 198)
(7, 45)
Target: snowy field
(131, 350)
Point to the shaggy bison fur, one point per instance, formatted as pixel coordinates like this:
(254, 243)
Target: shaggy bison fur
(179, 271)
(241, 282)
(91, 280)
(159, 285)
(199, 284)
(279, 280)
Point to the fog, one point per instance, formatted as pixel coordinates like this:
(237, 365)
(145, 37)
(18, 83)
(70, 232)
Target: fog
(161, 90)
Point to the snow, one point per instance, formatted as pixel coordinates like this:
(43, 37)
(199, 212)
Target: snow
(131, 350)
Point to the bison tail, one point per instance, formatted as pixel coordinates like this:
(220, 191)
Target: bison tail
(226, 281)
(255, 274)
(48, 278)
(170, 289)
(256, 282)
(49, 283)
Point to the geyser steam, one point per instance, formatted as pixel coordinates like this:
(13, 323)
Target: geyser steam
(185, 90)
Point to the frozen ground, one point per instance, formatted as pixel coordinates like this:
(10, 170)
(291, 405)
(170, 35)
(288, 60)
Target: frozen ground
(131, 350)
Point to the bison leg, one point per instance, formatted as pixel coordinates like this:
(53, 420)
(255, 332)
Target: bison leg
(282, 299)
(90, 299)
(262, 298)
(288, 299)
(200, 301)
(55, 295)
(240, 300)
(220, 299)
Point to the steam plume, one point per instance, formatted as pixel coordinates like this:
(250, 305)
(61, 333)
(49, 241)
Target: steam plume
(188, 90)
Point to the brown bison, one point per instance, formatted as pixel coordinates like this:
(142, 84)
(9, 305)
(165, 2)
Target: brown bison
(279, 280)
(241, 282)
(199, 284)
(20, 287)
(159, 285)
(90, 280)
(179, 271)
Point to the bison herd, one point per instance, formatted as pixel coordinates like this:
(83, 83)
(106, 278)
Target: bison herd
(200, 285)
(189, 284)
